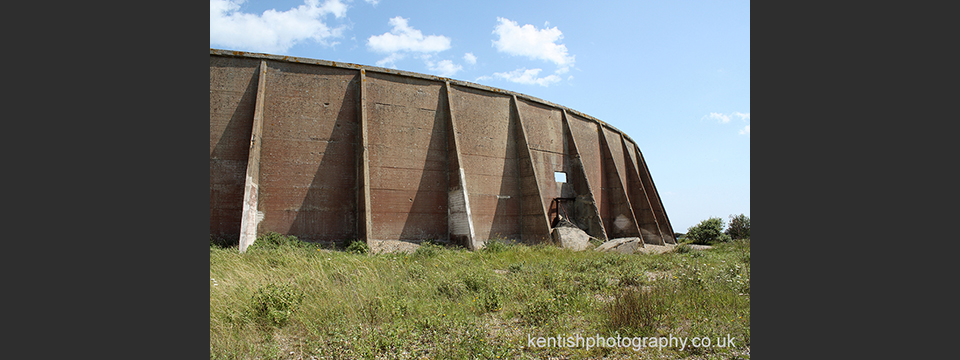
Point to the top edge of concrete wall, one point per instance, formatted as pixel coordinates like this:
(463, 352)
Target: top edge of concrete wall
(367, 68)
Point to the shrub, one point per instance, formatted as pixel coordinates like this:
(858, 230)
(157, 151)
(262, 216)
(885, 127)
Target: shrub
(275, 304)
(358, 247)
(708, 232)
(739, 227)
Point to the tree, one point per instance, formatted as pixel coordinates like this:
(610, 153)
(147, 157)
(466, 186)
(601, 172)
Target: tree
(739, 227)
(707, 232)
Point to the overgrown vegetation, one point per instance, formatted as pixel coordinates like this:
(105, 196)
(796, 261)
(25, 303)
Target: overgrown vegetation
(288, 299)
(739, 227)
(358, 247)
(709, 231)
(273, 304)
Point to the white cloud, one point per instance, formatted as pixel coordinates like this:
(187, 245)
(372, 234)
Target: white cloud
(744, 117)
(405, 38)
(723, 119)
(372, 2)
(470, 58)
(445, 68)
(402, 40)
(273, 31)
(528, 77)
(530, 42)
(390, 60)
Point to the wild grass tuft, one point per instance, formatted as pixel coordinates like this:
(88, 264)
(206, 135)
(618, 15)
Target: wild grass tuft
(637, 312)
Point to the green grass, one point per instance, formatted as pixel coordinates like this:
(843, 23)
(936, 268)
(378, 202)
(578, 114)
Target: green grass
(285, 297)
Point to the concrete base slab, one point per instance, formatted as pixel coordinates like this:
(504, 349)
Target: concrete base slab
(628, 245)
(656, 249)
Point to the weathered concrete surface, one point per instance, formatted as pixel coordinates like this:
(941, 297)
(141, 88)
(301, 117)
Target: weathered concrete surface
(309, 163)
(657, 249)
(488, 149)
(250, 215)
(408, 158)
(233, 92)
(459, 217)
(570, 238)
(628, 245)
(633, 246)
(357, 152)
(647, 222)
(535, 220)
(621, 220)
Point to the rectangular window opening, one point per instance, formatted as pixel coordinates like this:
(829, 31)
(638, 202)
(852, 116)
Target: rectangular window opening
(560, 176)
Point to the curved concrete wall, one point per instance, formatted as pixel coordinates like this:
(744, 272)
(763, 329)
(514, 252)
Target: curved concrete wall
(332, 151)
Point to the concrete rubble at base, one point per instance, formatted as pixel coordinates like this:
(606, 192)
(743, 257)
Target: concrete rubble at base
(392, 246)
(633, 245)
(565, 237)
(628, 245)
(570, 238)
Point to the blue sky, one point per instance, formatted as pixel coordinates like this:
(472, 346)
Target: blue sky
(673, 75)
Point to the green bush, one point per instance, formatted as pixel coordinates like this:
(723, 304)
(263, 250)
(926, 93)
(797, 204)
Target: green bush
(707, 232)
(275, 304)
(739, 227)
(358, 247)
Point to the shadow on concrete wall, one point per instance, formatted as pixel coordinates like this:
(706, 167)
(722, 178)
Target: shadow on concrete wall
(429, 199)
(228, 167)
(506, 225)
(323, 215)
